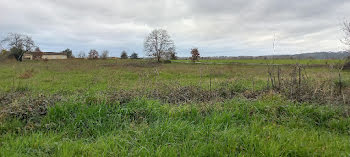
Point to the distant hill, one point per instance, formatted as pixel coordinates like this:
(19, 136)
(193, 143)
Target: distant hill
(314, 55)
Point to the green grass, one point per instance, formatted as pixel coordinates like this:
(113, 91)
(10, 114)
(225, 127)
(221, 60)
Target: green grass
(271, 127)
(87, 75)
(85, 122)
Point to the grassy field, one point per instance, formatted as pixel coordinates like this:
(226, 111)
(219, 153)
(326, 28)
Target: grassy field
(141, 108)
(269, 61)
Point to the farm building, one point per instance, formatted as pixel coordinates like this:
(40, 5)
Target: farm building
(44, 55)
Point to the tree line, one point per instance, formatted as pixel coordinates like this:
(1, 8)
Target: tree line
(158, 44)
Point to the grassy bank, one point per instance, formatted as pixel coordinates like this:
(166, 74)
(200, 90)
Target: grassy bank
(270, 126)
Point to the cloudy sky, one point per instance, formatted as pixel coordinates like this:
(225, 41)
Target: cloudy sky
(216, 27)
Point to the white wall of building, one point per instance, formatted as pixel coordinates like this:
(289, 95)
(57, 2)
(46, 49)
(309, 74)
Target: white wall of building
(54, 57)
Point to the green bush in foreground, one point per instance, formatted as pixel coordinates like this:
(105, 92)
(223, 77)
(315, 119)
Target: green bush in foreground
(269, 127)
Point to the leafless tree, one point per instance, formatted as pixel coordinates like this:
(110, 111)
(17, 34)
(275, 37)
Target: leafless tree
(18, 44)
(195, 54)
(81, 54)
(93, 54)
(37, 49)
(346, 30)
(346, 41)
(170, 56)
(173, 56)
(28, 43)
(158, 43)
(104, 54)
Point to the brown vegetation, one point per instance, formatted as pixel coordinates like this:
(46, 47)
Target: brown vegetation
(195, 54)
(27, 74)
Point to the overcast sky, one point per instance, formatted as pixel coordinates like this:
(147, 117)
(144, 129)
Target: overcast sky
(216, 27)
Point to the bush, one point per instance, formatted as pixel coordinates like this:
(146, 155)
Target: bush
(93, 54)
(195, 55)
(134, 56)
(124, 55)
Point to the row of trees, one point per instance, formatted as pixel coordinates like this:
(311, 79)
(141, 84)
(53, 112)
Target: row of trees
(94, 54)
(158, 44)
(124, 55)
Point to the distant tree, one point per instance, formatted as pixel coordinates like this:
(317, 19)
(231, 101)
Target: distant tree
(173, 56)
(346, 41)
(170, 56)
(346, 30)
(195, 54)
(104, 54)
(81, 54)
(3, 52)
(69, 53)
(38, 55)
(18, 44)
(134, 56)
(37, 49)
(93, 54)
(124, 55)
(17, 53)
(158, 43)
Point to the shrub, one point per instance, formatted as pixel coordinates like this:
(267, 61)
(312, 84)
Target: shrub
(68, 52)
(104, 54)
(134, 56)
(195, 54)
(124, 55)
(93, 54)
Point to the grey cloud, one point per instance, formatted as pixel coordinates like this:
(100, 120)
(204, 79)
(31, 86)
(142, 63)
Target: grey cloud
(222, 27)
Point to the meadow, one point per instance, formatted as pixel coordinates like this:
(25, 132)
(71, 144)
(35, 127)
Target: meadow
(118, 107)
(269, 61)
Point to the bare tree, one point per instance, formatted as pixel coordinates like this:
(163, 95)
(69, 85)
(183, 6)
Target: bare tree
(173, 56)
(346, 41)
(158, 43)
(18, 44)
(81, 54)
(195, 54)
(28, 43)
(346, 30)
(93, 54)
(104, 54)
(37, 49)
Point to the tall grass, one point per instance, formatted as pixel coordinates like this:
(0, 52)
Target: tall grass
(270, 127)
(137, 108)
